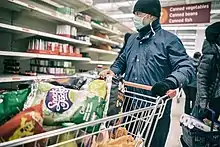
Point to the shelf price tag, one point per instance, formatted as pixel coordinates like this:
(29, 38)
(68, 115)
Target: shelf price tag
(16, 78)
(31, 6)
(26, 30)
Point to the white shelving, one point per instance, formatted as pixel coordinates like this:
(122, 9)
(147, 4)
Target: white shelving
(50, 14)
(117, 38)
(103, 29)
(39, 33)
(189, 43)
(101, 62)
(96, 14)
(189, 47)
(99, 51)
(186, 37)
(43, 56)
(35, 18)
(102, 40)
(80, 6)
(19, 78)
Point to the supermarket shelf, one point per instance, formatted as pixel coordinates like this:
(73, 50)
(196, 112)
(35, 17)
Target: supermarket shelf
(99, 39)
(81, 6)
(189, 43)
(187, 37)
(50, 14)
(100, 51)
(116, 50)
(43, 56)
(102, 62)
(118, 38)
(48, 35)
(19, 78)
(103, 29)
(189, 47)
(18, 54)
(92, 11)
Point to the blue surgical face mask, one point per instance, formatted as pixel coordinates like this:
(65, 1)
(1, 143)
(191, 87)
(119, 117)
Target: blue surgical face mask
(140, 23)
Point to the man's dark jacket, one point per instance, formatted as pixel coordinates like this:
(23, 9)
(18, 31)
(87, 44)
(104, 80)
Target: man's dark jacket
(148, 59)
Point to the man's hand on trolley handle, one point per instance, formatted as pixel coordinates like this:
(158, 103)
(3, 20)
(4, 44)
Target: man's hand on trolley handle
(159, 89)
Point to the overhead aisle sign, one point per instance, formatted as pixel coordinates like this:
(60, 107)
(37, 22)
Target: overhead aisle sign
(186, 14)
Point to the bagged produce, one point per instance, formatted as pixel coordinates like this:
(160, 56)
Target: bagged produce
(116, 96)
(94, 106)
(72, 83)
(67, 105)
(66, 137)
(25, 123)
(98, 88)
(92, 109)
(11, 103)
(122, 139)
(58, 102)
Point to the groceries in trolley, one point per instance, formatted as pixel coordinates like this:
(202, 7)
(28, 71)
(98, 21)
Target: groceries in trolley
(118, 138)
(191, 123)
(25, 123)
(30, 111)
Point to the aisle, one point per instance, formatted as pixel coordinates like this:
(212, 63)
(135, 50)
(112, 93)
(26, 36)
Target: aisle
(175, 130)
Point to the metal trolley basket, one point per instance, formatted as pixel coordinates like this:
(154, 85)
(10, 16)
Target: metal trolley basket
(140, 117)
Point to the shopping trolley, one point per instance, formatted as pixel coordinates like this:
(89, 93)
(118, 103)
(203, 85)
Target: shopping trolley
(140, 117)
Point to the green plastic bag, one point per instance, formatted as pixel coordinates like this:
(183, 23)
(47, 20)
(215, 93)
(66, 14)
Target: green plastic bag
(63, 105)
(11, 103)
(92, 109)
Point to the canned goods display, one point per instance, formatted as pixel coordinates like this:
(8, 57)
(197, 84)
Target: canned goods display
(52, 67)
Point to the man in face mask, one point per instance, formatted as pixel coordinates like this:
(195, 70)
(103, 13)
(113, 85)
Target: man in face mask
(154, 57)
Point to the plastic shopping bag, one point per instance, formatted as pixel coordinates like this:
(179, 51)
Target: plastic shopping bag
(11, 103)
(25, 123)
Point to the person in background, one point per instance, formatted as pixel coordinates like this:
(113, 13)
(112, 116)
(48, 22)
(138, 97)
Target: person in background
(155, 57)
(190, 90)
(208, 85)
(127, 35)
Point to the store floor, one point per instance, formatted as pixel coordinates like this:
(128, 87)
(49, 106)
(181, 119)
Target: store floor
(175, 130)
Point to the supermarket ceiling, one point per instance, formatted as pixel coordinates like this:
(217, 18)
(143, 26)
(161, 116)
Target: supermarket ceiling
(122, 9)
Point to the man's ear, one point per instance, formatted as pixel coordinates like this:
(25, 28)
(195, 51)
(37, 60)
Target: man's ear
(152, 18)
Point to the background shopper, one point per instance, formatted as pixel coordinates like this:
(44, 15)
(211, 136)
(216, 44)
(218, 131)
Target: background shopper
(126, 37)
(190, 90)
(155, 57)
(208, 93)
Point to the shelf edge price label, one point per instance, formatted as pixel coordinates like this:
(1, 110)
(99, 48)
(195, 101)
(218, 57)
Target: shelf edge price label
(16, 78)
(31, 6)
(26, 30)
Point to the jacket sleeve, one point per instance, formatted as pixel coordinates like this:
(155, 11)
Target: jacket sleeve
(203, 70)
(119, 66)
(183, 71)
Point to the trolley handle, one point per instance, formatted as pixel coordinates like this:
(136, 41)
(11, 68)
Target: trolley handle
(170, 93)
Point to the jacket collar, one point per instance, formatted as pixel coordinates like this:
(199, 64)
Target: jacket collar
(146, 32)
